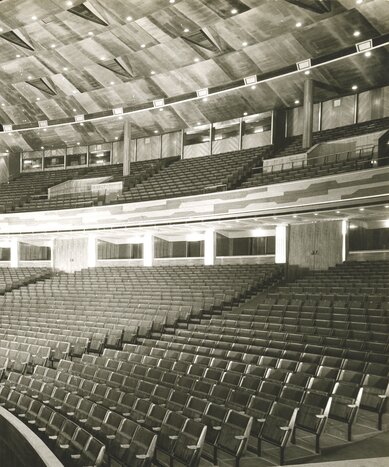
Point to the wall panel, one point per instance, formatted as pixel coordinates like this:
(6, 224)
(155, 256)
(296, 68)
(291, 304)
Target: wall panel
(70, 254)
(334, 116)
(171, 144)
(148, 148)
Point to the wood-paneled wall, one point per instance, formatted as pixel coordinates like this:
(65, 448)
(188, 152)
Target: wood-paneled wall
(70, 254)
(372, 104)
(316, 245)
(148, 148)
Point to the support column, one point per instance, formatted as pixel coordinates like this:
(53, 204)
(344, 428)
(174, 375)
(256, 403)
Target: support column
(127, 148)
(209, 247)
(92, 251)
(182, 143)
(281, 244)
(240, 143)
(308, 113)
(148, 250)
(278, 123)
(14, 253)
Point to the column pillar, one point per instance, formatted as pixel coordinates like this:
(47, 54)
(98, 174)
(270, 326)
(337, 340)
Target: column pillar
(240, 143)
(127, 148)
(148, 250)
(308, 113)
(92, 251)
(281, 244)
(14, 253)
(209, 247)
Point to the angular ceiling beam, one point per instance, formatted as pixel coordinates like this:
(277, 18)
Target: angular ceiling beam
(17, 39)
(329, 87)
(119, 67)
(43, 85)
(317, 6)
(86, 11)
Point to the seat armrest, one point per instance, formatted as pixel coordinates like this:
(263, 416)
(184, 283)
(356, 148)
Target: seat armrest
(124, 446)
(217, 428)
(141, 456)
(352, 406)
(382, 396)
(261, 420)
(240, 437)
(284, 428)
(173, 436)
(192, 447)
(320, 416)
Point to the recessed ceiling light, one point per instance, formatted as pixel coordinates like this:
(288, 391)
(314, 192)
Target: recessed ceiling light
(155, 131)
(358, 2)
(307, 72)
(198, 123)
(315, 213)
(18, 55)
(29, 77)
(65, 68)
(152, 72)
(120, 118)
(186, 30)
(205, 99)
(354, 87)
(129, 18)
(297, 101)
(1, 29)
(34, 18)
(387, 206)
(102, 58)
(253, 86)
(172, 1)
(2, 104)
(52, 46)
(299, 24)
(234, 11)
(112, 83)
(44, 129)
(294, 216)
(161, 109)
(361, 209)
(337, 212)
(368, 54)
(69, 3)
(74, 91)
(38, 98)
(42, 147)
(116, 137)
(90, 33)
(196, 59)
(143, 46)
(356, 33)
(78, 144)
(74, 110)
(244, 113)
(81, 124)
(244, 44)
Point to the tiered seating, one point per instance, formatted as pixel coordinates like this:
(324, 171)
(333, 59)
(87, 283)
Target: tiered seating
(199, 175)
(237, 378)
(13, 278)
(336, 163)
(293, 145)
(28, 192)
(108, 305)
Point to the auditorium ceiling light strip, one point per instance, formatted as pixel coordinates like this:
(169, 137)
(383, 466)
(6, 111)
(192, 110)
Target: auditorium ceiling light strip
(303, 66)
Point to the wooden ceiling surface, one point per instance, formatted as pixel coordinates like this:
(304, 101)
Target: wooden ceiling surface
(78, 66)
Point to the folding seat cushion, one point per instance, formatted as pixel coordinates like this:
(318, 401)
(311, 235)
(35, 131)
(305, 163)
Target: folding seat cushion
(213, 417)
(171, 427)
(189, 444)
(119, 445)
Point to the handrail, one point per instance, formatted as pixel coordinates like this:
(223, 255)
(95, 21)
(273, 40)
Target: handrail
(20, 441)
(363, 152)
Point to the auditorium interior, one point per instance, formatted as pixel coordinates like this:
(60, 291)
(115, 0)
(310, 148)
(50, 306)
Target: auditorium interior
(194, 233)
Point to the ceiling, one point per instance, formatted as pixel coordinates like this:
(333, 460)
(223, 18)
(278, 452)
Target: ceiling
(62, 58)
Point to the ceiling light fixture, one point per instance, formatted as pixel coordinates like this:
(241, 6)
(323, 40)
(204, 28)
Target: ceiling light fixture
(152, 72)
(299, 24)
(129, 18)
(196, 59)
(53, 46)
(297, 101)
(17, 55)
(368, 54)
(234, 11)
(307, 72)
(186, 30)
(69, 3)
(244, 113)
(354, 87)
(65, 68)
(253, 86)
(244, 44)
(90, 33)
(143, 46)
(155, 131)
(112, 83)
(361, 209)
(29, 77)
(34, 18)
(356, 33)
